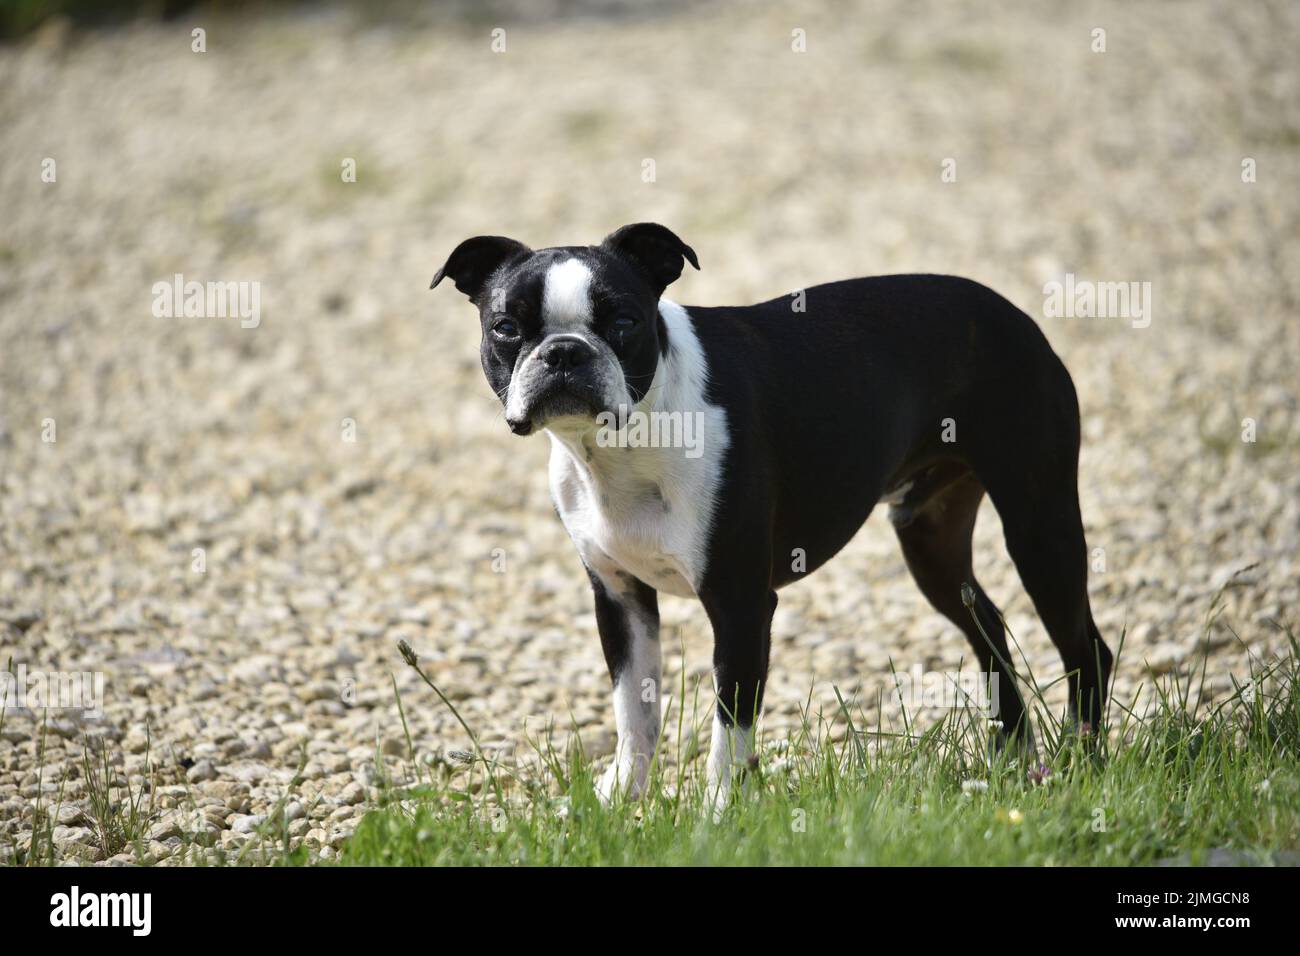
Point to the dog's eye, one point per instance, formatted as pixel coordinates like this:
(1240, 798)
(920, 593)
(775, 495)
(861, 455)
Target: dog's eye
(506, 329)
(623, 323)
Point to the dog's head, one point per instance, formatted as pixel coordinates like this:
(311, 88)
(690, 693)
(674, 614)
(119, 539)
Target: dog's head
(569, 332)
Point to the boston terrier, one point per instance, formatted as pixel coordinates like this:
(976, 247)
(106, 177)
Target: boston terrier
(722, 453)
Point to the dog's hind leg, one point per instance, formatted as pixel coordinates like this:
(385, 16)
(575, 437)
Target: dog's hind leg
(935, 521)
(1038, 500)
(1044, 535)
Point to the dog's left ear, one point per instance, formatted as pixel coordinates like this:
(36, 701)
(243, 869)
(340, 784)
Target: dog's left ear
(653, 249)
(474, 260)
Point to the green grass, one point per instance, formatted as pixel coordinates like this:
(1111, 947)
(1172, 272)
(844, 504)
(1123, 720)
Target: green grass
(118, 814)
(1172, 779)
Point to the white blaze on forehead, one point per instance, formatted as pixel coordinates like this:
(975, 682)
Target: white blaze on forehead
(566, 300)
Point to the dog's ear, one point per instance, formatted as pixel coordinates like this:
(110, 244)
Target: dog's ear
(470, 263)
(654, 250)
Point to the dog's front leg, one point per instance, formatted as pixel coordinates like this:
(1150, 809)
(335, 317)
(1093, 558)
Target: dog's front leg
(742, 632)
(627, 615)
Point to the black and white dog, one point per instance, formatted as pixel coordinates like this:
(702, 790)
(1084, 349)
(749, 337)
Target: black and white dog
(923, 391)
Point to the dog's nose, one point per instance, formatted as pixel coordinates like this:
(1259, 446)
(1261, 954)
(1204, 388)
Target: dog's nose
(566, 353)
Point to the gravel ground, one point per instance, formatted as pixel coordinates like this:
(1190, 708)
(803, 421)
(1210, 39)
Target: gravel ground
(782, 169)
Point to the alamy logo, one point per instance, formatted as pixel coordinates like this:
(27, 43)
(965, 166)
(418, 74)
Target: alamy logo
(103, 909)
(637, 429)
(918, 690)
(210, 300)
(1085, 299)
(57, 690)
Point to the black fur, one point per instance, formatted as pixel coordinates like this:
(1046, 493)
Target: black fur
(833, 407)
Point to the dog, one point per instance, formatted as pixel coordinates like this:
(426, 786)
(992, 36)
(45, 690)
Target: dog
(923, 391)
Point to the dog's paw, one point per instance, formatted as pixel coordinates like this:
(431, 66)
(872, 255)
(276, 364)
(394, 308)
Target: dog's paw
(717, 801)
(1088, 734)
(626, 779)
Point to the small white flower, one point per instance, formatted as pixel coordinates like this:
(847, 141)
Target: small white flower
(778, 748)
(971, 786)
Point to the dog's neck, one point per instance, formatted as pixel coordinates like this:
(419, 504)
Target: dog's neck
(602, 450)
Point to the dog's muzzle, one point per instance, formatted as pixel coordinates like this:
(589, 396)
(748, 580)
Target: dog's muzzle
(563, 381)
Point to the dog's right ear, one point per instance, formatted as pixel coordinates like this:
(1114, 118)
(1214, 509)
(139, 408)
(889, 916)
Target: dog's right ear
(470, 263)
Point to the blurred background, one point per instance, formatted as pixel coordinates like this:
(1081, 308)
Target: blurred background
(209, 531)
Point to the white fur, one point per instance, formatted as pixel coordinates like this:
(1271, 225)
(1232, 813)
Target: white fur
(729, 753)
(606, 495)
(566, 297)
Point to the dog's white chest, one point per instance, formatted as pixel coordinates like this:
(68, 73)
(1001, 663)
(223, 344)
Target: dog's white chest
(645, 507)
(633, 520)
